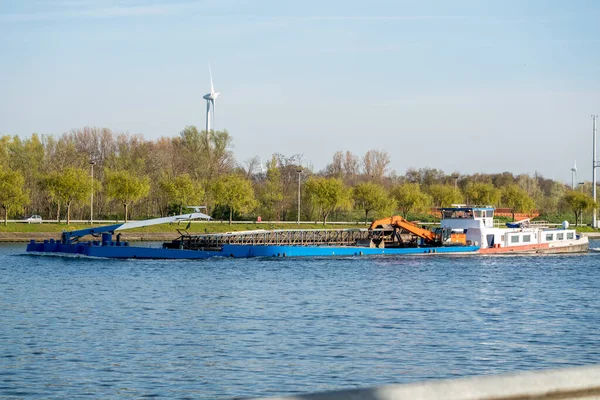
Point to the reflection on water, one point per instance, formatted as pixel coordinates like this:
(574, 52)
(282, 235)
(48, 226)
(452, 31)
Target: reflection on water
(231, 327)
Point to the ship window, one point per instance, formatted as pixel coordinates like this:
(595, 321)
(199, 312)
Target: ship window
(526, 238)
(569, 235)
(490, 213)
(514, 239)
(560, 236)
(549, 236)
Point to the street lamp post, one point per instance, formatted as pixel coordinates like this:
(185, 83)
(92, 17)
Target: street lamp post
(455, 176)
(594, 166)
(299, 171)
(581, 186)
(92, 163)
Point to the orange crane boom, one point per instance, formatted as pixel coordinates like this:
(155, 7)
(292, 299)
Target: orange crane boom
(441, 236)
(400, 222)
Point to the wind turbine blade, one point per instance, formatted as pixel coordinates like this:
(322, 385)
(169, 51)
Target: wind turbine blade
(212, 87)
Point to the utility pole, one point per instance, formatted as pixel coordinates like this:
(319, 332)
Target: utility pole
(92, 163)
(594, 166)
(299, 170)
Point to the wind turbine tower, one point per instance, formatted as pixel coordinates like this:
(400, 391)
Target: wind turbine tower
(573, 175)
(210, 102)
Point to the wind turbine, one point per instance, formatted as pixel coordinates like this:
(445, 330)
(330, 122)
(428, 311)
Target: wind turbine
(210, 102)
(573, 175)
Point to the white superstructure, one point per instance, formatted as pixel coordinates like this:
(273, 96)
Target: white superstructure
(478, 225)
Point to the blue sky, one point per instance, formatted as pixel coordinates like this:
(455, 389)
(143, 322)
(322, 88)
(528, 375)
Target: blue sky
(466, 85)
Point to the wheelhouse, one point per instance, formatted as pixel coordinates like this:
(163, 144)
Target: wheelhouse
(465, 217)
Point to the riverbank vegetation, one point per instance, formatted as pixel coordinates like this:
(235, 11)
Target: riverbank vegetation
(130, 177)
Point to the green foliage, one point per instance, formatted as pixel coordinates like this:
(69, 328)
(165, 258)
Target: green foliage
(208, 153)
(271, 192)
(68, 186)
(235, 192)
(532, 186)
(410, 198)
(206, 156)
(12, 193)
(371, 196)
(578, 202)
(480, 193)
(516, 199)
(327, 194)
(444, 195)
(126, 188)
(181, 190)
(4, 155)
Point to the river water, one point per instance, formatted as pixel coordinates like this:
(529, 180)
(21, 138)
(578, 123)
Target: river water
(223, 328)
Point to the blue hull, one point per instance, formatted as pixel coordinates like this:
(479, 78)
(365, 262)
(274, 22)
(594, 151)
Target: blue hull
(123, 250)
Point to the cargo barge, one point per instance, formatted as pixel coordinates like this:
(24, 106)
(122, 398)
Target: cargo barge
(464, 231)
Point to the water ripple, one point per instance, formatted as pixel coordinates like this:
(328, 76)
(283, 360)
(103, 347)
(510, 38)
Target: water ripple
(227, 328)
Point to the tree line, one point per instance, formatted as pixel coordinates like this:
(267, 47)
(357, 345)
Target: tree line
(128, 176)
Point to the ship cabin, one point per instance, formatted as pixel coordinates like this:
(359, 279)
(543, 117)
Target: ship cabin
(477, 222)
(466, 217)
(474, 221)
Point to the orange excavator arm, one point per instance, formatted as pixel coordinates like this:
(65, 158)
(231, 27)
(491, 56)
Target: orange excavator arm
(400, 222)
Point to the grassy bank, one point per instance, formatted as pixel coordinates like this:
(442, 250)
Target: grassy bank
(196, 228)
(199, 227)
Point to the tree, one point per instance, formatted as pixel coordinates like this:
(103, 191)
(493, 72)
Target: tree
(4, 153)
(236, 193)
(336, 168)
(578, 202)
(444, 195)
(532, 186)
(181, 190)
(376, 163)
(409, 197)
(371, 196)
(68, 186)
(480, 193)
(271, 193)
(126, 188)
(288, 168)
(328, 194)
(516, 199)
(206, 154)
(12, 193)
